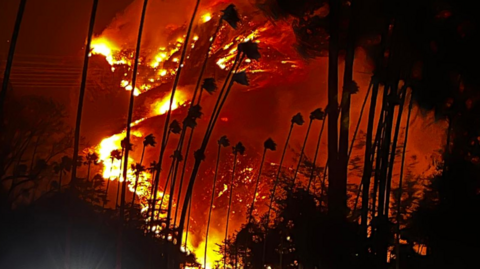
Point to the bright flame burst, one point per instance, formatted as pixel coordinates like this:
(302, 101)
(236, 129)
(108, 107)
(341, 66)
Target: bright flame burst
(206, 17)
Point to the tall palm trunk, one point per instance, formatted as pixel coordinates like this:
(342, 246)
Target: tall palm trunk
(188, 222)
(180, 187)
(174, 180)
(165, 189)
(400, 190)
(301, 153)
(379, 137)
(137, 177)
(393, 150)
(11, 54)
(382, 228)
(229, 208)
(130, 115)
(316, 155)
(252, 208)
(172, 95)
(127, 138)
(155, 182)
(337, 188)
(357, 128)
(348, 87)
(272, 197)
(78, 122)
(211, 206)
(108, 184)
(197, 88)
(385, 149)
(204, 65)
(119, 179)
(86, 60)
(201, 151)
(88, 171)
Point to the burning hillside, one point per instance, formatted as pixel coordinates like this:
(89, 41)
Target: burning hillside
(158, 64)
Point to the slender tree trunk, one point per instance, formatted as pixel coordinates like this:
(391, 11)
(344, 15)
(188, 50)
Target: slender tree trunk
(301, 154)
(211, 206)
(204, 65)
(188, 222)
(238, 61)
(187, 152)
(393, 150)
(201, 151)
(252, 208)
(312, 174)
(353, 143)
(11, 54)
(78, 122)
(155, 182)
(400, 190)
(385, 149)
(83, 84)
(165, 188)
(229, 208)
(272, 197)
(348, 84)
(127, 138)
(337, 188)
(174, 88)
(108, 184)
(172, 186)
(119, 183)
(197, 88)
(382, 203)
(137, 177)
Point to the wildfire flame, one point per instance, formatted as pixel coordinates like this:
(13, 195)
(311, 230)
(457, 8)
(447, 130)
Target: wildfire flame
(158, 66)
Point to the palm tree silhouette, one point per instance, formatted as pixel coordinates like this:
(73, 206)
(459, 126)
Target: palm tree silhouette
(83, 84)
(269, 144)
(222, 142)
(174, 128)
(114, 155)
(129, 128)
(91, 158)
(200, 153)
(62, 168)
(194, 113)
(124, 146)
(172, 95)
(230, 15)
(149, 140)
(137, 169)
(296, 120)
(317, 114)
(238, 149)
(317, 148)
